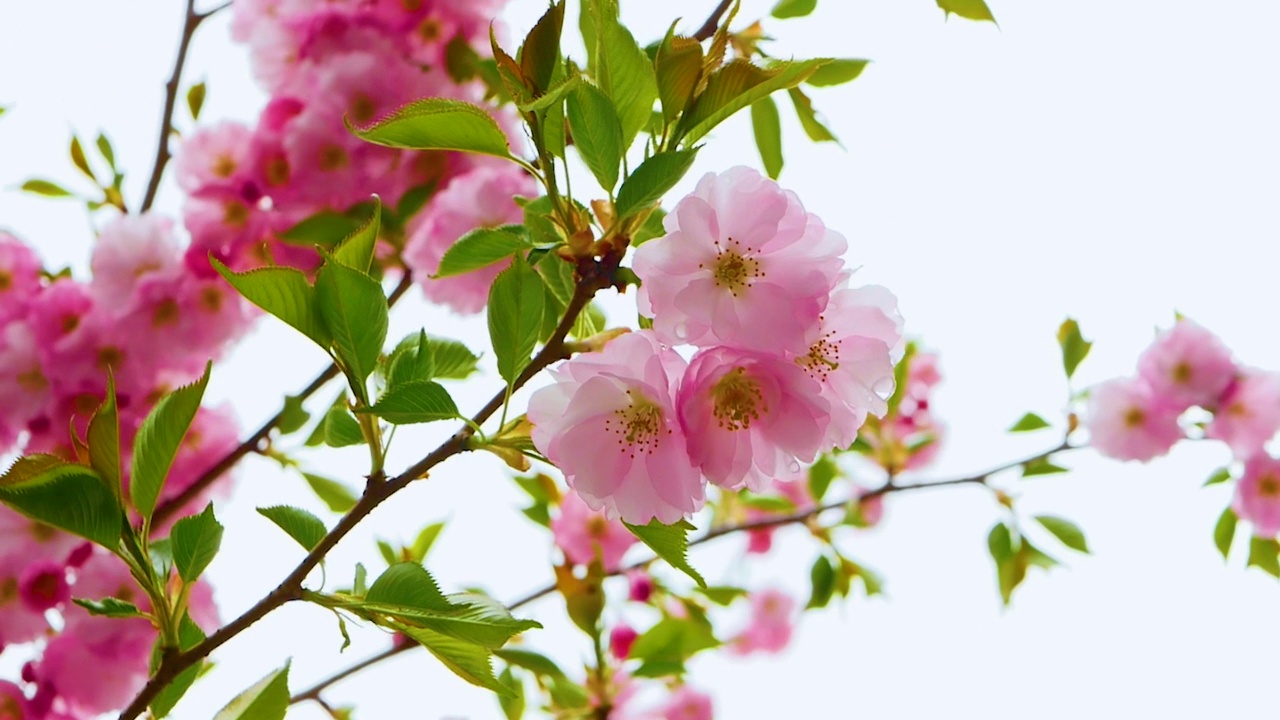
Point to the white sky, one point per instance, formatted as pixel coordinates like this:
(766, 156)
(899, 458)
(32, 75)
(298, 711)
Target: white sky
(1109, 160)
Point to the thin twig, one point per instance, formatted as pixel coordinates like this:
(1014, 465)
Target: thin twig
(191, 21)
(313, 692)
(254, 442)
(713, 21)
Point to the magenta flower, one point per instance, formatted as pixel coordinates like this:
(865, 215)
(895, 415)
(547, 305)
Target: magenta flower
(639, 586)
(1257, 496)
(43, 585)
(621, 638)
(609, 423)
(13, 703)
(1249, 413)
(1127, 420)
(213, 155)
(742, 264)
(750, 417)
(19, 277)
(585, 534)
(1188, 365)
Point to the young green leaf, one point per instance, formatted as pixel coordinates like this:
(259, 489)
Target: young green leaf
(1220, 475)
(425, 540)
(678, 66)
(793, 8)
(626, 76)
(104, 440)
(79, 160)
(1029, 422)
(1074, 347)
(665, 647)
(671, 543)
(541, 49)
(652, 179)
(65, 495)
(1265, 553)
(195, 99)
(356, 251)
(1224, 533)
(481, 247)
(341, 429)
(326, 228)
(354, 311)
(284, 293)
(438, 124)
(1066, 531)
(736, 86)
(45, 187)
(453, 360)
(768, 131)
(157, 442)
(1041, 466)
(837, 72)
(534, 662)
(419, 401)
(331, 492)
(300, 525)
(109, 607)
(409, 585)
(468, 661)
(195, 541)
(516, 303)
(813, 127)
(822, 578)
(970, 9)
(513, 701)
(821, 473)
(267, 699)
(597, 133)
(292, 416)
(411, 360)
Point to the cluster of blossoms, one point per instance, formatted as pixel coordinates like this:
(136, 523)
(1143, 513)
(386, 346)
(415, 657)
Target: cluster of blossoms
(325, 64)
(154, 324)
(1142, 417)
(790, 359)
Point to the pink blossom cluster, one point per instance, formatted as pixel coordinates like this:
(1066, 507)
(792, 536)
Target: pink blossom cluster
(909, 437)
(790, 359)
(145, 317)
(1139, 418)
(326, 64)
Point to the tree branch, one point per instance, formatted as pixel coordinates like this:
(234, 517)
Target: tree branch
(713, 21)
(189, 25)
(254, 442)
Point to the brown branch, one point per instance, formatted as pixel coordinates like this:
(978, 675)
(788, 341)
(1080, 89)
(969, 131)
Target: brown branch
(254, 442)
(709, 27)
(313, 692)
(597, 277)
(189, 25)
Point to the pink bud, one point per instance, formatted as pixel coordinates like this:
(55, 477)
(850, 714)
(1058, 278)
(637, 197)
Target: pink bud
(621, 638)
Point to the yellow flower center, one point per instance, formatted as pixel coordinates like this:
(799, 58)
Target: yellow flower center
(638, 426)
(733, 269)
(737, 400)
(823, 357)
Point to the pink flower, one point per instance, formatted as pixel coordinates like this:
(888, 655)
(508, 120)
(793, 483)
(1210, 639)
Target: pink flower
(43, 585)
(19, 277)
(687, 704)
(750, 417)
(129, 248)
(771, 623)
(13, 704)
(621, 638)
(56, 313)
(213, 434)
(1249, 413)
(24, 384)
(19, 621)
(742, 264)
(213, 155)
(1127, 420)
(852, 351)
(479, 198)
(584, 534)
(1258, 495)
(609, 422)
(1187, 365)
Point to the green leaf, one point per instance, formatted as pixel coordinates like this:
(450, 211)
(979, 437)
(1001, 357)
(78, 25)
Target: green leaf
(45, 187)
(292, 416)
(1220, 475)
(589, 322)
(438, 124)
(79, 160)
(453, 360)
(195, 541)
(822, 577)
(513, 701)
(195, 99)
(722, 594)
(813, 127)
(670, 542)
(551, 100)
(516, 303)
(1029, 422)
(326, 228)
(158, 440)
(540, 51)
(411, 360)
(356, 251)
(1066, 531)
(467, 660)
(341, 429)
(1000, 543)
(189, 635)
(668, 644)
(768, 131)
(652, 228)
(1224, 533)
(354, 310)
(480, 248)
(104, 440)
(109, 607)
(793, 8)
(1265, 553)
(597, 133)
(108, 153)
(419, 401)
(678, 66)
(267, 699)
(737, 85)
(837, 72)
(1074, 346)
(284, 293)
(408, 584)
(652, 179)
(331, 492)
(626, 76)
(970, 9)
(425, 540)
(821, 473)
(536, 663)
(1041, 466)
(388, 553)
(299, 524)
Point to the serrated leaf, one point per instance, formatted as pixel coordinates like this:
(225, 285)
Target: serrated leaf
(970, 9)
(550, 101)
(425, 540)
(1066, 531)
(109, 607)
(480, 248)
(1029, 422)
(1224, 532)
(1265, 553)
(47, 188)
(737, 85)
(284, 293)
(652, 228)
(540, 51)
(195, 99)
(408, 584)
(671, 543)
(332, 493)
(651, 180)
(767, 127)
(299, 524)
(678, 66)
(513, 701)
(822, 580)
(158, 440)
(356, 250)
(411, 360)
(808, 117)
(195, 541)
(669, 643)
(626, 75)
(534, 662)
(103, 437)
(597, 133)
(267, 699)
(419, 401)
(837, 72)
(354, 311)
(438, 124)
(516, 303)
(467, 660)
(341, 429)
(793, 8)
(1074, 347)
(453, 360)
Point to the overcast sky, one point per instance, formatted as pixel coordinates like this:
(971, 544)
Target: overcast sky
(1113, 161)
